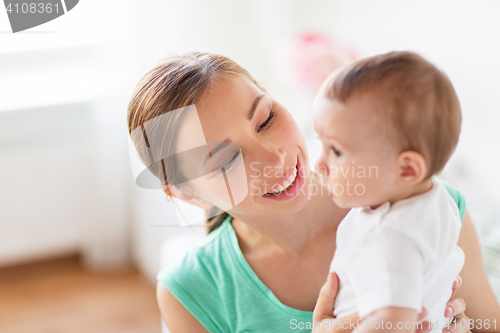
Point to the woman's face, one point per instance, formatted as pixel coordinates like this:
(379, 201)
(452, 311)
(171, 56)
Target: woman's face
(273, 151)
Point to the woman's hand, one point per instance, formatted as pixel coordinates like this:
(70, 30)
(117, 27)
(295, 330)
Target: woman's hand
(455, 308)
(324, 322)
(323, 319)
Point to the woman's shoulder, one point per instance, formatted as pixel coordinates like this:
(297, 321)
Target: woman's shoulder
(198, 278)
(457, 196)
(200, 260)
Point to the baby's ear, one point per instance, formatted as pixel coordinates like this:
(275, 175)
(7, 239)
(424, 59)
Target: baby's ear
(188, 196)
(412, 167)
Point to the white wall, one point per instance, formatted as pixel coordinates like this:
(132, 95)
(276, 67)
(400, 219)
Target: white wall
(63, 162)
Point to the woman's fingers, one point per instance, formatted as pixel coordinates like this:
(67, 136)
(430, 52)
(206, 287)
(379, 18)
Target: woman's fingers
(346, 324)
(326, 299)
(459, 325)
(456, 285)
(454, 307)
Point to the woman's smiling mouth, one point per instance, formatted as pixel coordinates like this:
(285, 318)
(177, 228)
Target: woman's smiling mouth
(288, 186)
(282, 185)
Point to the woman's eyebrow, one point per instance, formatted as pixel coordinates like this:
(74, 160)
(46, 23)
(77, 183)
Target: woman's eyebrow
(254, 106)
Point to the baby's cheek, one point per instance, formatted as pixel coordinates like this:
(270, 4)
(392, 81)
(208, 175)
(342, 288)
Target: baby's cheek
(332, 181)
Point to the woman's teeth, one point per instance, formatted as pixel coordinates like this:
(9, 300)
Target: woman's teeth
(286, 184)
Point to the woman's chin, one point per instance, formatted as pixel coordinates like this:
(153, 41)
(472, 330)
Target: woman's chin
(292, 206)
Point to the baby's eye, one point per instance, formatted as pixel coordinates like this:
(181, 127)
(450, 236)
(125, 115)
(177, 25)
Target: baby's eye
(336, 151)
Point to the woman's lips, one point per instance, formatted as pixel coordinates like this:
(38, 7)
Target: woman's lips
(284, 178)
(293, 189)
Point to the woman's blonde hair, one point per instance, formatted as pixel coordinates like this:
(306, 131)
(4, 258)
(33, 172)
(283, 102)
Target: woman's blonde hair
(173, 83)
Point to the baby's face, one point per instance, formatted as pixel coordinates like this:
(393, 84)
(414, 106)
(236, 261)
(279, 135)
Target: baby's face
(358, 162)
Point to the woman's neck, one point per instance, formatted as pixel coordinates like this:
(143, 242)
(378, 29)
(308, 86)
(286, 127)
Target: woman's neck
(292, 233)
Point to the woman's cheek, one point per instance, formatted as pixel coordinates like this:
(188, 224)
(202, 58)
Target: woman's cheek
(213, 188)
(290, 131)
(237, 182)
(225, 188)
(255, 183)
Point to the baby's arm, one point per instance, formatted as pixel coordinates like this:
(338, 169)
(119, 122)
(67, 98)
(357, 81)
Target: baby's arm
(387, 271)
(324, 310)
(390, 319)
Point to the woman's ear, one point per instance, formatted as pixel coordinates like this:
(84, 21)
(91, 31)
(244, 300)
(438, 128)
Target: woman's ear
(167, 191)
(188, 196)
(412, 167)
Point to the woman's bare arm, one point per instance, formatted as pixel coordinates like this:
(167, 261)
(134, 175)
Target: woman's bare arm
(476, 290)
(175, 315)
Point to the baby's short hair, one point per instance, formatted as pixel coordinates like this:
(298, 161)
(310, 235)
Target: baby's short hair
(418, 101)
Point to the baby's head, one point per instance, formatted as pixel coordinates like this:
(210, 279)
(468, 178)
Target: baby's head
(387, 124)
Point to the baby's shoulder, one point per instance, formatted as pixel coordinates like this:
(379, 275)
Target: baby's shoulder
(431, 219)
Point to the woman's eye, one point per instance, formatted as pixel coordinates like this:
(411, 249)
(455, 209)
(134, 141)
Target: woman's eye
(336, 151)
(266, 123)
(230, 165)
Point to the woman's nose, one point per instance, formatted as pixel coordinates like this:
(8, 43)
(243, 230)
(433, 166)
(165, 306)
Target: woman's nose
(275, 160)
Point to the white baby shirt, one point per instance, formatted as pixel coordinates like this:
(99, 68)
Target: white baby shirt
(402, 255)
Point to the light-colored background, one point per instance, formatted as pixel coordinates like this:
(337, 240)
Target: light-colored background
(65, 179)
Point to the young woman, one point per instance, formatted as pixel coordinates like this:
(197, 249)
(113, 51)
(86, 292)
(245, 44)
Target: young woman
(264, 262)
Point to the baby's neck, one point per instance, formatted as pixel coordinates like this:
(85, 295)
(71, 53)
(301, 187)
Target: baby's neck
(410, 191)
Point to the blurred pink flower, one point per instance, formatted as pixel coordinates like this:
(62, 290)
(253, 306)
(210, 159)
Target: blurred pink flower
(312, 56)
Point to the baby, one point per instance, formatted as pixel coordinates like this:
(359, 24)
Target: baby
(388, 125)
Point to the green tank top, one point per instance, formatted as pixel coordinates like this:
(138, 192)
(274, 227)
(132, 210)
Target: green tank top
(217, 285)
